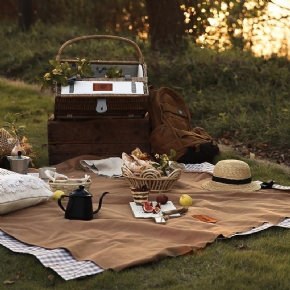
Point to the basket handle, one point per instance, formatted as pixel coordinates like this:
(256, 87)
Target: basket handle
(141, 59)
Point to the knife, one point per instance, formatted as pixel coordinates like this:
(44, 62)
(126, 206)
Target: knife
(163, 216)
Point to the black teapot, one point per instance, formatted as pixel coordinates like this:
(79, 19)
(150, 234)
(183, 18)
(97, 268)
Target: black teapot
(80, 205)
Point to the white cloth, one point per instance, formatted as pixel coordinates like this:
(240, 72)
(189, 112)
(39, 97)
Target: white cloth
(199, 167)
(110, 167)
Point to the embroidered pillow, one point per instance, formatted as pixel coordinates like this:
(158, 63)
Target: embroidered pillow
(18, 191)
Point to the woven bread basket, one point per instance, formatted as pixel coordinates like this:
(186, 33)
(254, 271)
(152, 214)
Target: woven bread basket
(151, 178)
(68, 187)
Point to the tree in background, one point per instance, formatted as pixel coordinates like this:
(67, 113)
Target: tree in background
(218, 24)
(25, 14)
(166, 24)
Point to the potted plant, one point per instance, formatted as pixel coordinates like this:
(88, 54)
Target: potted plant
(17, 141)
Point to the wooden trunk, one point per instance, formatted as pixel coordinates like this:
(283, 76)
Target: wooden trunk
(101, 137)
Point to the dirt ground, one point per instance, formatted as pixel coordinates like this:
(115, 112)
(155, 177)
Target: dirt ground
(259, 157)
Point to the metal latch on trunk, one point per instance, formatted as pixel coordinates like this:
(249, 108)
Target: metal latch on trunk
(133, 84)
(101, 106)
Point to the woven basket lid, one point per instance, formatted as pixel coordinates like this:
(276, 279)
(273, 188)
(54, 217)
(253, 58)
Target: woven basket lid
(231, 174)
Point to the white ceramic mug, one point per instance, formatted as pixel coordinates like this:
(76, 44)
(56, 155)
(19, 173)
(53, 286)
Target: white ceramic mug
(42, 170)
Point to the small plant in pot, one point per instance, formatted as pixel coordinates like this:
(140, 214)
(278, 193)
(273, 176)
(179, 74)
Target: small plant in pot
(17, 141)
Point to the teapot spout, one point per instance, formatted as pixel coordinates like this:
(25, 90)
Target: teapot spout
(100, 202)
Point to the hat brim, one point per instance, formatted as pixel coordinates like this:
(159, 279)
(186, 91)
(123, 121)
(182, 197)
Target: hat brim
(217, 186)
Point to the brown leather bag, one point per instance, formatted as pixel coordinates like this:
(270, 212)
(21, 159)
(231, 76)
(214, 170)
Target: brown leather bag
(171, 129)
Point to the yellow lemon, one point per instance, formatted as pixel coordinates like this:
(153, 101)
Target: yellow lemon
(57, 194)
(185, 200)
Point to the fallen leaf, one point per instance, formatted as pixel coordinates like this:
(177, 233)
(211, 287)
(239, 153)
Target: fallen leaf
(242, 247)
(18, 276)
(239, 144)
(8, 282)
(227, 134)
(237, 132)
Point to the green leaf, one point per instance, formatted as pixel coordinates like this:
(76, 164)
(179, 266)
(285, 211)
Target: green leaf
(65, 65)
(54, 63)
(61, 79)
(172, 153)
(87, 71)
(72, 72)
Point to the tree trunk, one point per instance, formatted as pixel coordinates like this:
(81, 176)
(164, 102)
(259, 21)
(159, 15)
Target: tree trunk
(166, 24)
(25, 13)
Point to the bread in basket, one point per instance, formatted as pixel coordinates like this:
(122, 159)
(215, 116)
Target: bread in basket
(152, 178)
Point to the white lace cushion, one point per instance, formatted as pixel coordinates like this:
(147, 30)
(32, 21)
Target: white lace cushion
(19, 191)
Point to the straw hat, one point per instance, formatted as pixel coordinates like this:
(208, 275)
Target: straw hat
(231, 175)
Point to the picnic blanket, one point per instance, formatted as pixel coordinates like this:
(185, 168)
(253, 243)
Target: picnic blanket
(116, 240)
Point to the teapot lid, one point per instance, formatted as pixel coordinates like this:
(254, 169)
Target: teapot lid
(81, 191)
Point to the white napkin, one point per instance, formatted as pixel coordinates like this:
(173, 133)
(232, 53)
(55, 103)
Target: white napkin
(110, 167)
(52, 175)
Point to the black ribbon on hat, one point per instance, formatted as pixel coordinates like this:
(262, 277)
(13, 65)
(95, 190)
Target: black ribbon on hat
(232, 181)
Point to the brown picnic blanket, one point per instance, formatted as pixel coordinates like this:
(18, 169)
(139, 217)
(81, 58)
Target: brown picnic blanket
(115, 239)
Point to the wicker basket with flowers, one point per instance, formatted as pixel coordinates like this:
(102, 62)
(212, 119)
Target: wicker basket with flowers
(158, 175)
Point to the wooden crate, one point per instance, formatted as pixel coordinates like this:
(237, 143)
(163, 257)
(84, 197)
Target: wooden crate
(103, 137)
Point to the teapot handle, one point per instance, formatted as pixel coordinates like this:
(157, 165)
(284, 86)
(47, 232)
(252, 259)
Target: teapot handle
(59, 201)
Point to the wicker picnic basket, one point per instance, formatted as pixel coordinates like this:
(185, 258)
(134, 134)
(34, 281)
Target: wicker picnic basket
(104, 97)
(151, 178)
(68, 187)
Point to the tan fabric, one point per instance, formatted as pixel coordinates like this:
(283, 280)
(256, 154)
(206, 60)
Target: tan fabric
(115, 239)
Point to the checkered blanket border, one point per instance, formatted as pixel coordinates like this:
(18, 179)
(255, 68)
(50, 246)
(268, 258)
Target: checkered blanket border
(59, 260)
